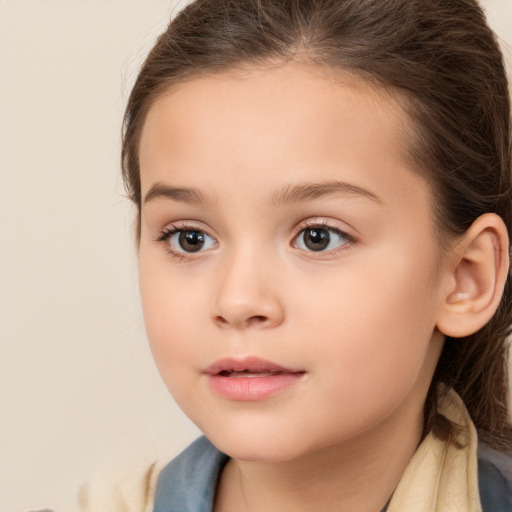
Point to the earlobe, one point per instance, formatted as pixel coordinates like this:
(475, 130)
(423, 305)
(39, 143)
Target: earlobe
(478, 269)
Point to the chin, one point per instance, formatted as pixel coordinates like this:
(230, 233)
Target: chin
(259, 444)
(256, 451)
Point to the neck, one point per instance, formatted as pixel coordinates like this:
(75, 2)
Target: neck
(359, 475)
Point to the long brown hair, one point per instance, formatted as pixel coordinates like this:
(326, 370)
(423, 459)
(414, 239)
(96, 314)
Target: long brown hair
(444, 64)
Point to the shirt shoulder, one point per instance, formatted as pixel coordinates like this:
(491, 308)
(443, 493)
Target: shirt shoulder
(188, 483)
(128, 490)
(494, 480)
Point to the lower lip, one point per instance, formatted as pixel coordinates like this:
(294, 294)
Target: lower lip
(252, 389)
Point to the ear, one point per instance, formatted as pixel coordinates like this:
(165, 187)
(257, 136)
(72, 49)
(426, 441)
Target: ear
(478, 269)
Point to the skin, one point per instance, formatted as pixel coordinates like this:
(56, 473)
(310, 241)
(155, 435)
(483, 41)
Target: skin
(358, 318)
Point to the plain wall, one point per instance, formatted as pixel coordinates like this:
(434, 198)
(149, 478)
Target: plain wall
(78, 388)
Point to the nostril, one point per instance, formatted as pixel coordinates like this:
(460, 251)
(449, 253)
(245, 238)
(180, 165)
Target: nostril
(252, 320)
(257, 319)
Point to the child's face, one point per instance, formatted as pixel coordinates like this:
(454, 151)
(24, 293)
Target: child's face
(303, 239)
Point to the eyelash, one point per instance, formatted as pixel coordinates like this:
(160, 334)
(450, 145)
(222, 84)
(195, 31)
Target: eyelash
(167, 232)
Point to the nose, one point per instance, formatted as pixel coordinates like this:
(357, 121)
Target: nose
(247, 295)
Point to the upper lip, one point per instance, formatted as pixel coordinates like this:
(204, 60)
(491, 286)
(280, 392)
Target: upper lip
(248, 364)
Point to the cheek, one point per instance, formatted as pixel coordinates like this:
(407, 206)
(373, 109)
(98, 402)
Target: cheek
(168, 308)
(375, 322)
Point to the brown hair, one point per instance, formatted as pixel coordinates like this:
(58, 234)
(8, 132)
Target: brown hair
(444, 62)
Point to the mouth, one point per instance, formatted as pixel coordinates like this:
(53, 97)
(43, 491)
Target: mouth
(250, 379)
(248, 374)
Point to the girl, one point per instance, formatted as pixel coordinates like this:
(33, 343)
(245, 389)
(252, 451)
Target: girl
(324, 216)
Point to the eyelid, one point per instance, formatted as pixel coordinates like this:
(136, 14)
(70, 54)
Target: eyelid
(325, 223)
(184, 225)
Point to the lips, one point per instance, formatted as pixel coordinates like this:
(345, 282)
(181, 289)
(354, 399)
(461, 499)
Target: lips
(250, 379)
(253, 365)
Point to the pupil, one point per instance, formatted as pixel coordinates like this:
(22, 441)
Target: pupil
(191, 241)
(316, 239)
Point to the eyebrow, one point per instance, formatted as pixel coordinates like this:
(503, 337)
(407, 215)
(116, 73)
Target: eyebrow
(181, 194)
(289, 194)
(311, 191)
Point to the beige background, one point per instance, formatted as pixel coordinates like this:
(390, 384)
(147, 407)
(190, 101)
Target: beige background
(78, 389)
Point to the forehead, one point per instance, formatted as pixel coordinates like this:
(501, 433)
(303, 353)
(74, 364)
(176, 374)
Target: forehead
(263, 128)
(289, 98)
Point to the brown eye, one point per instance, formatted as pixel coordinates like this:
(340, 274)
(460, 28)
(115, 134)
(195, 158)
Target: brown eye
(319, 238)
(316, 239)
(190, 241)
